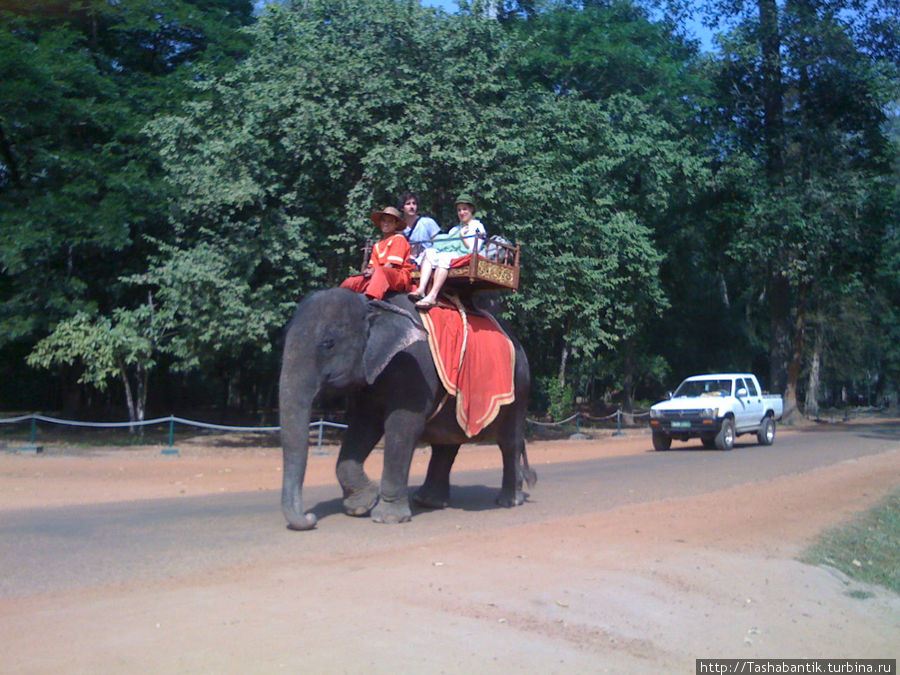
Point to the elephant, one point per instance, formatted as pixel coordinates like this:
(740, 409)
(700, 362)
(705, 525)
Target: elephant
(376, 352)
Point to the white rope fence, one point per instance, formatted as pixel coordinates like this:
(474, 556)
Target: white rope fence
(579, 416)
(321, 424)
(171, 420)
(552, 424)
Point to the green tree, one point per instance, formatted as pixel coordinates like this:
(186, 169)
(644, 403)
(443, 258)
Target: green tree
(340, 107)
(887, 288)
(602, 176)
(79, 184)
(594, 50)
(120, 347)
(216, 322)
(804, 99)
(645, 168)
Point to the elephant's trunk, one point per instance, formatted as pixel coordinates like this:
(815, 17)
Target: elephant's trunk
(296, 402)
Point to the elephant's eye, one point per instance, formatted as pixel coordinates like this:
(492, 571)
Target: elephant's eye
(327, 343)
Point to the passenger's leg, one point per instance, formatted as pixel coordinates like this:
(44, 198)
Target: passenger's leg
(424, 276)
(440, 276)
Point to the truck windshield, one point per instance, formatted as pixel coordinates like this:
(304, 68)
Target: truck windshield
(704, 388)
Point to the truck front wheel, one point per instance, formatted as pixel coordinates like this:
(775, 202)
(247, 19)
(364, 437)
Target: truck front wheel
(661, 441)
(725, 437)
(766, 433)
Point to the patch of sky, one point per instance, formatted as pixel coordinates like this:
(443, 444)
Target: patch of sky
(693, 26)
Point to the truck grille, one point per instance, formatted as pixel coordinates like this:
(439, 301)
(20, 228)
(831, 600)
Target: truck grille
(679, 414)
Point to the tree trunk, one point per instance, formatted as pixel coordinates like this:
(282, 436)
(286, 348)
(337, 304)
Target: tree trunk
(723, 289)
(772, 93)
(561, 376)
(71, 391)
(796, 363)
(129, 396)
(779, 291)
(628, 382)
(141, 377)
(815, 368)
(779, 296)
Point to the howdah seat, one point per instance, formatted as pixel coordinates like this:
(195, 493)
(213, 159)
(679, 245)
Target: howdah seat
(493, 266)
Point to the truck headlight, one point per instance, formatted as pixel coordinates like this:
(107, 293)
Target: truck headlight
(655, 413)
(709, 412)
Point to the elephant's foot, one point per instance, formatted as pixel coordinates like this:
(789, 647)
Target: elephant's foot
(305, 522)
(431, 497)
(391, 512)
(509, 500)
(360, 502)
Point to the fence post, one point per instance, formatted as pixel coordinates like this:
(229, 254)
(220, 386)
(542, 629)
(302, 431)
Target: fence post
(171, 450)
(618, 423)
(32, 438)
(577, 436)
(321, 427)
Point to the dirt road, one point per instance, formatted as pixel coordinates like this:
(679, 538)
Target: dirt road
(644, 588)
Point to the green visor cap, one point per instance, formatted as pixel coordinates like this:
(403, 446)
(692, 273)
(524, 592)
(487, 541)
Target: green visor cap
(466, 199)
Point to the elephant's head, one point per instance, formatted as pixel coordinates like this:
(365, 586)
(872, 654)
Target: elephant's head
(337, 340)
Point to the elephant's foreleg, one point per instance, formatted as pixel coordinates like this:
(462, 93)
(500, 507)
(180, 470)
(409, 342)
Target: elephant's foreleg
(435, 491)
(402, 429)
(363, 432)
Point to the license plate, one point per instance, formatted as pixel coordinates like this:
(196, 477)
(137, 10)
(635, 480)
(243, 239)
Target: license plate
(681, 425)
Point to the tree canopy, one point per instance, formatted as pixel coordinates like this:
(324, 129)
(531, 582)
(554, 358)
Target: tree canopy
(175, 176)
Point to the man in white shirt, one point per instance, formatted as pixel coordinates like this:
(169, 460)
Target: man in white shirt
(420, 230)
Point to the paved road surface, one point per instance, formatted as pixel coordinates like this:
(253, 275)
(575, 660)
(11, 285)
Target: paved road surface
(45, 550)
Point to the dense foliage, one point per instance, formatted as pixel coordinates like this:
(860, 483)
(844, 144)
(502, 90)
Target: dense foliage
(175, 175)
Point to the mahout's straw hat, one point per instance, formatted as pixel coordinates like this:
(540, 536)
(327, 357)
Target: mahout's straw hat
(389, 211)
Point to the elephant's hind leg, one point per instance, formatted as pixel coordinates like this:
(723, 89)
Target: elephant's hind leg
(511, 439)
(363, 432)
(435, 491)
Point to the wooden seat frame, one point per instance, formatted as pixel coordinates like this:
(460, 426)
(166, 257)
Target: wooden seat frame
(481, 273)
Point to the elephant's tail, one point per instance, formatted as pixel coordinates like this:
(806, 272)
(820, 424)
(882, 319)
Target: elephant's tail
(528, 474)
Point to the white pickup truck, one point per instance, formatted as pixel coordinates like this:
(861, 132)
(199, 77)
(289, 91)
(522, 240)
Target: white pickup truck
(716, 408)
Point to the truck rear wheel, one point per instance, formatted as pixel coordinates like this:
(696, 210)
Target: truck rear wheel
(661, 442)
(725, 437)
(766, 433)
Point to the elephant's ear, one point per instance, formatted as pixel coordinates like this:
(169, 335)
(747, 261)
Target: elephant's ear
(391, 330)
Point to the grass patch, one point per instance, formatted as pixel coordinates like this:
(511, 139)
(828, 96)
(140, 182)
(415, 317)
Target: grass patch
(861, 595)
(866, 549)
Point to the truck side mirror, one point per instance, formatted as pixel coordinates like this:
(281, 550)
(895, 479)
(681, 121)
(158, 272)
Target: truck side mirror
(742, 392)
(669, 394)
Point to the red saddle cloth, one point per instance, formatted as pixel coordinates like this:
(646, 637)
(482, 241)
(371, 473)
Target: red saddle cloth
(462, 261)
(475, 361)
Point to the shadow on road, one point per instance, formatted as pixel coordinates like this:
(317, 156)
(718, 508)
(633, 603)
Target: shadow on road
(463, 497)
